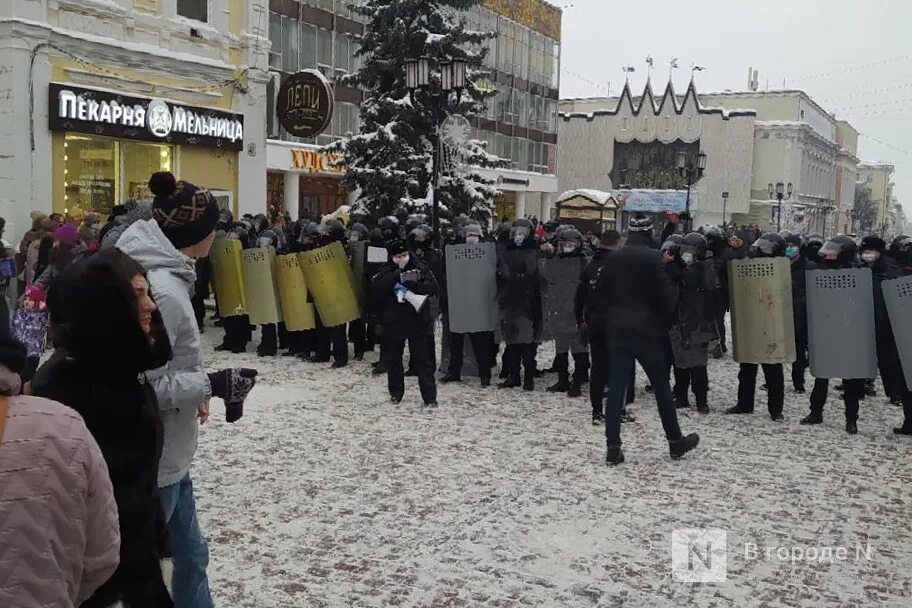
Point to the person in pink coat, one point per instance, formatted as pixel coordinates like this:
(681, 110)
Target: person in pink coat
(59, 539)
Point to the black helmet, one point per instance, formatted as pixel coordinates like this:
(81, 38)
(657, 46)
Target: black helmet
(238, 231)
(838, 251)
(413, 222)
(267, 238)
(310, 233)
(521, 231)
(694, 243)
(769, 245)
(873, 242)
(901, 249)
(791, 238)
(389, 226)
(260, 223)
(419, 237)
(551, 226)
(471, 229)
(712, 232)
(672, 245)
(333, 230)
(376, 237)
(569, 236)
(357, 232)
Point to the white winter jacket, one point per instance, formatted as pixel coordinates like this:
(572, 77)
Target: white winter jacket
(181, 385)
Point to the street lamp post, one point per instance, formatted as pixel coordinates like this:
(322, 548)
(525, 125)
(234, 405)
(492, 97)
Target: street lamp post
(781, 193)
(692, 170)
(435, 95)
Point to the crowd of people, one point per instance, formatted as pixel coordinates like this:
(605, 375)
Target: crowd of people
(96, 443)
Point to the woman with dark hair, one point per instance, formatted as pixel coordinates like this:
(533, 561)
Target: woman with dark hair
(108, 333)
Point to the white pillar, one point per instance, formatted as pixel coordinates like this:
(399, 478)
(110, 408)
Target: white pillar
(292, 189)
(546, 205)
(520, 204)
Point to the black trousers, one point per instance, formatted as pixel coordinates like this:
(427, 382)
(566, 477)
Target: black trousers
(481, 347)
(269, 339)
(720, 327)
(357, 334)
(421, 359)
(331, 340)
(851, 396)
(799, 367)
(237, 331)
(431, 348)
(600, 370)
(518, 356)
(775, 383)
(694, 378)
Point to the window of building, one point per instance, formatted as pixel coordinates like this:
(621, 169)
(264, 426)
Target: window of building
(290, 44)
(308, 47)
(99, 173)
(275, 39)
(324, 47)
(198, 10)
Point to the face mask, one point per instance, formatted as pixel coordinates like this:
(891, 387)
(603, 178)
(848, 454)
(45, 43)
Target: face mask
(869, 257)
(688, 258)
(402, 262)
(471, 240)
(569, 248)
(519, 239)
(791, 252)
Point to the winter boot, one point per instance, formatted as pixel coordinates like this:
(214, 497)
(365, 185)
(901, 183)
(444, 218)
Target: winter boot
(576, 388)
(683, 445)
(614, 455)
(529, 381)
(563, 375)
(510, 382)
(870, 391)
(702, 404)
(813, 418)
(851, 428)
(739, 409)
(450, 377)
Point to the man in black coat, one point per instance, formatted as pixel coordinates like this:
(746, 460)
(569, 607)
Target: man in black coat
(800, 266)
(634, 287)
(401, 322)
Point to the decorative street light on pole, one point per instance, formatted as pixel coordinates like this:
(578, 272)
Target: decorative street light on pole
(436, 97)
(780, 192)
(692, 170)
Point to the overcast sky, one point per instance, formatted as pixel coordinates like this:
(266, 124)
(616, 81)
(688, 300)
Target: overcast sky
(854, 58)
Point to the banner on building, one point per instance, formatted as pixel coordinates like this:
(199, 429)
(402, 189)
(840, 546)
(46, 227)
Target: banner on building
(655, 201)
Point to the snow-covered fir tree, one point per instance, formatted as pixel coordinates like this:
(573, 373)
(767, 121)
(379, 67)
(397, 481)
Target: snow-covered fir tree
(391, 159)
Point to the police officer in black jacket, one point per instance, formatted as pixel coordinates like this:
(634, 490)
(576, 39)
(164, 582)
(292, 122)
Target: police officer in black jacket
(800, 266)
(634, 286)
(401, 322)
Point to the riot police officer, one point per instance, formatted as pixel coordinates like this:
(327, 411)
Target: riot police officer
(800, 264)
(769, 245)
(237, 328)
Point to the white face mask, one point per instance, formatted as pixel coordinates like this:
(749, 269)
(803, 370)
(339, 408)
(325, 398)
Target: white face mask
(471, 239)
(519, 239)
(869, 257)
(402, 261)
(687, 258)
(569, 247)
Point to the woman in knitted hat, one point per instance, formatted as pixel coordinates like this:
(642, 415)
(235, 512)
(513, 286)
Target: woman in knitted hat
(182, 230)
(101, 375)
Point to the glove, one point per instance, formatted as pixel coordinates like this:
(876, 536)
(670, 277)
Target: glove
(400, 288)
(233, 386)
(411, 285)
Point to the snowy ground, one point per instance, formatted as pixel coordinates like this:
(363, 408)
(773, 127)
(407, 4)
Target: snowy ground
(324, 495)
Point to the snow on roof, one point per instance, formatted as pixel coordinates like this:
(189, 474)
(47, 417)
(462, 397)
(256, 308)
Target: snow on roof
(781, 123)
(875, 164)
(596, 196)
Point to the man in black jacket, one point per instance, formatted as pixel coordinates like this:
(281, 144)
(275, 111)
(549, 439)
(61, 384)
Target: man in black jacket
(800, 266)
(400, 322)
(633, 286)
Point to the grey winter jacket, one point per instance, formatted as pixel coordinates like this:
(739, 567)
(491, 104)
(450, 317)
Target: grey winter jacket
(181, 385)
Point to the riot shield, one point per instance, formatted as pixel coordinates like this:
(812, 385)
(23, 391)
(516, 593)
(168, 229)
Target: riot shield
(329, 277)
(472, 287)
(358, 257)
(898, 296)
(841, 336)
(296, 310)
(226, 277)
(258, 270)
(763, 326)
(560, 277)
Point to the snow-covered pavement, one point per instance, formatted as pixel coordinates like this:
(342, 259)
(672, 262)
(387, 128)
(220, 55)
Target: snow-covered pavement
(325, 495)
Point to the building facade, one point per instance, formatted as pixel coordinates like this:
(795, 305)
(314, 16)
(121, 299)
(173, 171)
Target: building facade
(631, 143)
(102, 93)
(846, 175)
(877, 177)
(520, 123)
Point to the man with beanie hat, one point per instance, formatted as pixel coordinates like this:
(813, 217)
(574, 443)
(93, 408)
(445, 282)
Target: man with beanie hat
(182, 230)
(401, 322)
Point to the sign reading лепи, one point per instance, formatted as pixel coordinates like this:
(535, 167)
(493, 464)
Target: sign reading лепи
(304, 105)
(95, 112)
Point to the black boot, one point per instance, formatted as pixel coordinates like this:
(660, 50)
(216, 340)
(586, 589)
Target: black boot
(813, 418)
(702, 404)
(529, 381)
(683, 445)
(614, 456)
(563, 382)
(576, 388)
(450, 377)
(902, 430)
(510, 382)
(851, 428)
(738, 409)
(597, 418)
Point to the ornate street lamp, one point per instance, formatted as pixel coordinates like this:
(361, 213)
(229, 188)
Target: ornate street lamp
(691, 170)
(780, 193)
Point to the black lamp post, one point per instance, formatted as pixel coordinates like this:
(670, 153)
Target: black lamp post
(780, 192)
(434, 94)
(692, 170)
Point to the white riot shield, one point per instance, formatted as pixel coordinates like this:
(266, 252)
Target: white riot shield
(560, 278)
(763, 327)
(472, 287)
(841, 333)
(898, 297)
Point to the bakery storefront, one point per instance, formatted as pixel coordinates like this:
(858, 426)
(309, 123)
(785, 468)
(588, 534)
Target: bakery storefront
(304, 180)
(105, 145)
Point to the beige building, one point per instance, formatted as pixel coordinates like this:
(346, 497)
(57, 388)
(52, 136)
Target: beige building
(846, 175)
(877, 177)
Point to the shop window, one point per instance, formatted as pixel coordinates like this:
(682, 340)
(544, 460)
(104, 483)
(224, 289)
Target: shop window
(198, 10)
(99, 173)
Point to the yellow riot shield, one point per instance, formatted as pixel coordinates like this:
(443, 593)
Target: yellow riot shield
(258, 270)
(298, 313)
(226, 277)
(331, 282)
